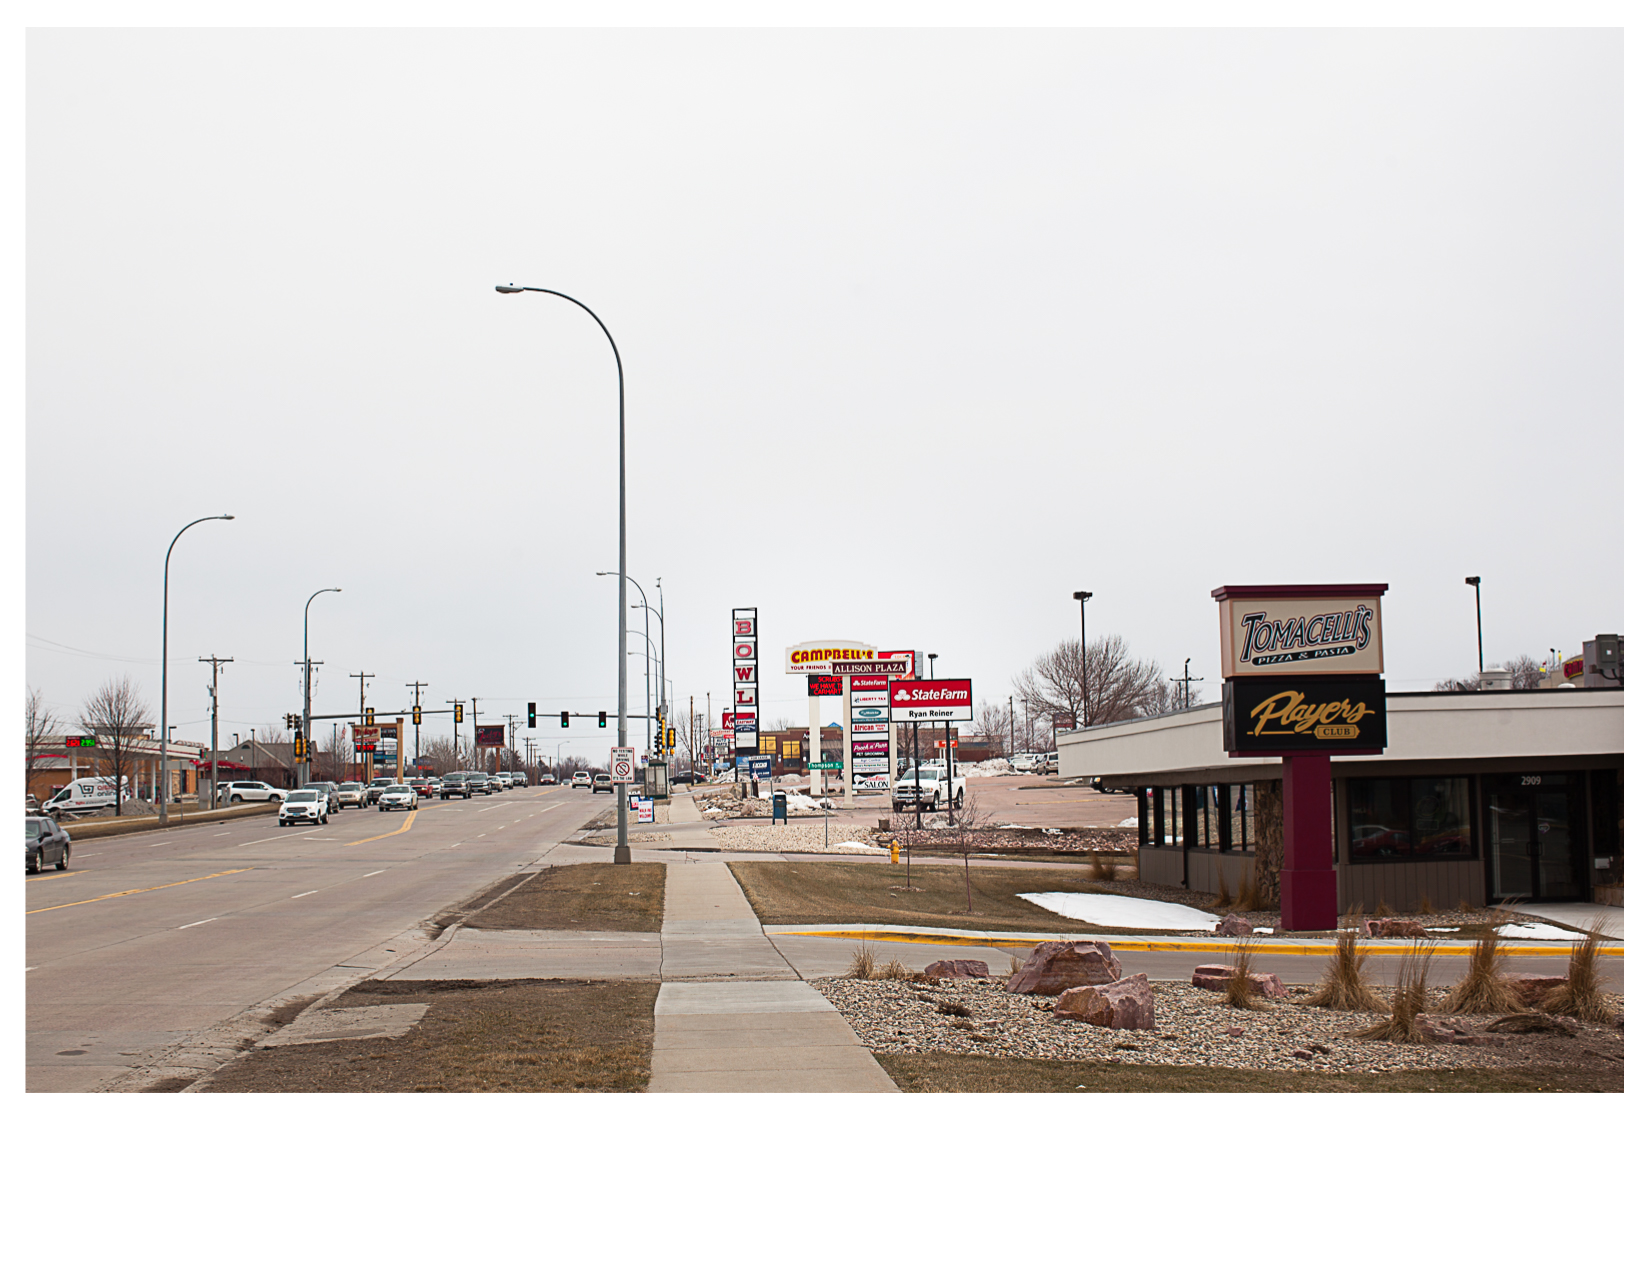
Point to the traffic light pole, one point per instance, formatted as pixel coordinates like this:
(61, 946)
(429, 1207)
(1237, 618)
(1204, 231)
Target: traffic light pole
(418, 714)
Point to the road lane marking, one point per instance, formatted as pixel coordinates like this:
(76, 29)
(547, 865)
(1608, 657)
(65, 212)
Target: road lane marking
(120, 894)
(411, 815)
(305, 894)
(365, 875)
(282, 836)
(155, 845)
(193, 924)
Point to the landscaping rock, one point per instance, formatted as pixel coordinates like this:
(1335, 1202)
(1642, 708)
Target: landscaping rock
(1056, 966)
(1215, 978)
(1393, 928)
(1125, 1004)
(958, 969)
(1446, 1031)
(1532, 987)
(1533, 1023)
(1233, 925)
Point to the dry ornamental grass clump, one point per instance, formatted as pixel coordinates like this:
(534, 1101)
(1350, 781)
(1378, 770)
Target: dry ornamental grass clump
(1101, 871)
(1382, 909)
(893, 969)
(1249, 896)
(864, 964)
(1484, 989)
(1409, 1000)
(1240, 991)
(1581, 996)
(1223, 900)
(1343, 985)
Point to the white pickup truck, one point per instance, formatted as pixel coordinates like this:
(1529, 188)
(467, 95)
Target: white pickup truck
(927, 788)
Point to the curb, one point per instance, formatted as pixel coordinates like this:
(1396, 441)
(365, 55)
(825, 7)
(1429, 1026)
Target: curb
(151, 823)
(1318, 947)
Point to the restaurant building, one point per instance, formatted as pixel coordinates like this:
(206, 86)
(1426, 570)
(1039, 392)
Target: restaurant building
(1480, 796)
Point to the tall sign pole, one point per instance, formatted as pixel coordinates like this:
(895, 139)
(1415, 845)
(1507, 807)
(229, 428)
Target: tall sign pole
(214, 661)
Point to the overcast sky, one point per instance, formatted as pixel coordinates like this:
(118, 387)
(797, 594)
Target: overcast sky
(922, 331)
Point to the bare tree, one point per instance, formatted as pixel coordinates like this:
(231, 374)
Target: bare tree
(991, 723)
(40, 724)
(1456, 684)
(1526, 673)
(781, 723)
(1117, 687)
(119, 720)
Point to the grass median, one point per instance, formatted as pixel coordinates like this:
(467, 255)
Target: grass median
(504, 1036)
(572, 896)
(873, 893)
(961, 1073)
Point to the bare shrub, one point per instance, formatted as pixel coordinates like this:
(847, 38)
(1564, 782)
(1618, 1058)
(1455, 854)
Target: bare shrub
(1382, 908)
(1424, 907)
(1581, 996)
(1409, 999)
(1342, 985)
(1015, 965)
(1099, 869)
(1240, 991)
(1223, 900)
(895, 968)
(1250, 897)
(864, 964)
(1484, 989)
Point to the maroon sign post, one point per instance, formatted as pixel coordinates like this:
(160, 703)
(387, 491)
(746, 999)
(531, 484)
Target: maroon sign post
(1302, 666)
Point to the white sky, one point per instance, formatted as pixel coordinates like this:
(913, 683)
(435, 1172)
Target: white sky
(922, 331)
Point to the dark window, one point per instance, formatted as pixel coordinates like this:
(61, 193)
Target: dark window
(1422, 818)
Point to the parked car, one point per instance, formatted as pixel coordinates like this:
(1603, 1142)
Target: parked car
(581, 779)
(1025, 763)
(478, 782)
(253, 790)
(375, 789)
(30, 805)
(309, 804)
(423, 785)
(928, 787)
(398, 797)
(456, 784)
(82, 796)
(44, 842)
(352, 794)
(690, 777)
(603, 782)
(327, 791)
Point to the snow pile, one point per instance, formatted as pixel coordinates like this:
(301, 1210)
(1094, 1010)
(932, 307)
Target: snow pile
(857, 846)
(981, 769)
(1133, 821)
(1125, 913)
(1533, 930)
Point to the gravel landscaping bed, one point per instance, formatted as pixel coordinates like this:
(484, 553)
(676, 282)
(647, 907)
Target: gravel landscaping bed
(894, 1016)
(794, 839)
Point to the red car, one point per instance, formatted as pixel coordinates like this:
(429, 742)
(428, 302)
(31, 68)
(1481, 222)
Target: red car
(424, 785)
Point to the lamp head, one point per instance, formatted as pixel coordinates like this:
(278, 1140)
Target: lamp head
(1082, 596)
(507, 287)
(1473, 580)
(227, 517)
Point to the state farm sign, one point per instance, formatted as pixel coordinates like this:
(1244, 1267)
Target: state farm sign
(939, 701)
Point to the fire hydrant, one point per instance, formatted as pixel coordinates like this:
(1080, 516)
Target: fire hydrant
(893, 853)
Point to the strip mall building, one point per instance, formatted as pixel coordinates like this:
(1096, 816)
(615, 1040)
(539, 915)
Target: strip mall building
(1478, 795)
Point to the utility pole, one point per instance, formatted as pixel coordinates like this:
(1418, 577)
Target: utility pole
(475, 728)
(1186, 685)
(417, 713)
(309, 666)
(366, 766)
(1011, 726)
(510, 721)
(214, 661)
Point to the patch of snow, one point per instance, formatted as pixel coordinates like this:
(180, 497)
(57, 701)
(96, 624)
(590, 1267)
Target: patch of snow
(856, 845)
(1133, 821)
(1264, 929)
(1532, 930)
(1124, 912)
(1054, 832)
(1442, 929)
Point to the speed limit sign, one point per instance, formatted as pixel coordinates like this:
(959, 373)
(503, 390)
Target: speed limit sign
(622, 765)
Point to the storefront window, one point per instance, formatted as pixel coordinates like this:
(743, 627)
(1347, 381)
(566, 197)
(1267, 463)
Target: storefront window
(1410, 818)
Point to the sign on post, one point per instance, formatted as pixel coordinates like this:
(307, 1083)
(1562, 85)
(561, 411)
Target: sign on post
(622, 764)
(746, 697)
(1266, 630)
(1270, 716)
(949, 700)
(644, 810)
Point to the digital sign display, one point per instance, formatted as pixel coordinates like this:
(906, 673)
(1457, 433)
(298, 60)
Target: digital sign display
(489, 737)
(80, 741)
(823, 686)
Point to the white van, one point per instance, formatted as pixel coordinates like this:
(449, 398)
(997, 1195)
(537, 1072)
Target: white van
(82, 796)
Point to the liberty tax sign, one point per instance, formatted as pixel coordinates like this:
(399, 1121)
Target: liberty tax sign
(937, 701)
(1268, 630)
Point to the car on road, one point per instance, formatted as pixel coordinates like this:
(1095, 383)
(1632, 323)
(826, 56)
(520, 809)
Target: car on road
(375, 789)
(82, 796)
(456, 784)
(518, 778)
(496, 783)
(352, 794)
(928, 788)
(398, 797)
(334, 804)
(423, 785)
(603, 782)
(44, 842)
(581, 779)
(252, 790)
(303, 804)
(478, 783)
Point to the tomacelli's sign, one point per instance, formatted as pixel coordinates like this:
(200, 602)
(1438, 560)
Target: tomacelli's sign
(1272, 630)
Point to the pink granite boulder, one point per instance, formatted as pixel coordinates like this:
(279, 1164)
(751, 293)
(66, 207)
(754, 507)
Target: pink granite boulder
(1054, 967)
(958, 969)
(1123, 1005)
(1393, 928)
(1214, 978)
(1530, 988)
(1233, 925)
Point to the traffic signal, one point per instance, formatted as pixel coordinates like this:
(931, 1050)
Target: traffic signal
(601, 720)
(418, 715)
(458, 714)
(369, 717)
(532, 713)
(661, 714)
(564, 716)
(299, 748)
(670, 740)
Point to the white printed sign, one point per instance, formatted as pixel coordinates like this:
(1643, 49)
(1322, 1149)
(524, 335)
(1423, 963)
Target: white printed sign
(622, 764)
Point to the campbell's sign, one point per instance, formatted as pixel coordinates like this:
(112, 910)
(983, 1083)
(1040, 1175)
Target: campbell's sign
(1272, 630)
(1275, 715)
(818, 657)
(950, 700)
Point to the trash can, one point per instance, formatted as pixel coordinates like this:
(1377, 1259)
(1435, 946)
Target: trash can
(779, 811)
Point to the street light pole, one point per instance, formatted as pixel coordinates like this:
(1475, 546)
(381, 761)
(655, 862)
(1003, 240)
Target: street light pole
(309, 744)
(1082, 597)
(1478, 603)
(165, 605)
(621, 852)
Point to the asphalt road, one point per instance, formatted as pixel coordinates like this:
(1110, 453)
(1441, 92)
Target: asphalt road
(153, 937)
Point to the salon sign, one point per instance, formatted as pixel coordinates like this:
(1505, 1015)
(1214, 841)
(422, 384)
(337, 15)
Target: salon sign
(1290, 630)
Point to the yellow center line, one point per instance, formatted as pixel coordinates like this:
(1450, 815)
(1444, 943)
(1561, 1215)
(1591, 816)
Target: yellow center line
(120, 894)
(411, 815)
